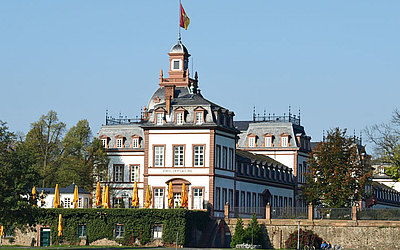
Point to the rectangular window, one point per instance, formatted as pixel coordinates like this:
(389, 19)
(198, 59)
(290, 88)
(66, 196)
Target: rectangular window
(290, 202)
(199, 117)
(118, 173)
(198, 156)
(217, 198)
(252, 141)
(80, 203)
(179, 153)
(268, 141)
(160, 118)
(67, 202)
(224, 157)
(218, 157)
(243, 199)
(280, 201)
(119, 143)
(285, 204)
(197, 198)
(135, 173)
(179, 118)
(157, 232)
(135, 142)
(119, 231)
(230, 198)
(81, 231)
(254, 200)
(231, 159)
(158, 198)
(276, 201)
(248, 204)
(177, 199)
(176, 64)
(284, 142)
(159, 156)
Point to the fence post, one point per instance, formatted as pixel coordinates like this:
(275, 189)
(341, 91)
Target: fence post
(268, 212)
(354, 212)
(226, 210)
(310, 212)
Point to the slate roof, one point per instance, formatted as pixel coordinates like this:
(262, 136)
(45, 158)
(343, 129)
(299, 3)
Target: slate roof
(258, 158)
(125, 130)
(67, 190)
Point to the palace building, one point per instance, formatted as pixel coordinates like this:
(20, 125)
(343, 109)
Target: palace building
(181, 137)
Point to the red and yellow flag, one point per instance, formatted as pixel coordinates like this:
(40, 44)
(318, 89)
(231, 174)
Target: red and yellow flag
(184, 23)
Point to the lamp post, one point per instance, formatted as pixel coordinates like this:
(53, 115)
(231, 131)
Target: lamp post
(298, 234)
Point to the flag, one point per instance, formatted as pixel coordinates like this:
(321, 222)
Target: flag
(184, 23)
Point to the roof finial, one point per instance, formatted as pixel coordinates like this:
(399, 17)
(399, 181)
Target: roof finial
(290, 109)
(254, 113)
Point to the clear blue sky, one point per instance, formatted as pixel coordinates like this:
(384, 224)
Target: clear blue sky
(336, 60)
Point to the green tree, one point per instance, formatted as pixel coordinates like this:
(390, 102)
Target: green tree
(17, 177)
(338, 171)
(238, 236)
(82, 155)
(253, 233)
(386, 138)
(44, 141)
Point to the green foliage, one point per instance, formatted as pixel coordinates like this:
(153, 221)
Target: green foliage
(253, 232)
(338, 171)
(138, 224)
(17, 177)
(307, 238)
(238, 236)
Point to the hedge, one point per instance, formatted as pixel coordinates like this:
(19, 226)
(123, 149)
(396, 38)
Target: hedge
(138, 224)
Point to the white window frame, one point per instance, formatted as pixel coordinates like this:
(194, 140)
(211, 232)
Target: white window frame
(199, 117)
(198, 156)
(252, 141)
(104, 142)
(135, 142)
(268, 141)
(198, 198)
(177, 199)
(118, 173)
(179, 118)
(173, 64)
(157, 232)
(179, 156)
(284, 141)
(135, 173)
(67, 202)
(119, 142)
(119, 231)
(158, 198)
(159, 156)
(160, 118)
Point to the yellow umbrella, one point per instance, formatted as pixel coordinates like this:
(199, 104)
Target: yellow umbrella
(135, 196)
(148, 202)
(56, 201)
(184, 197)
(106, 203)
(60, 225)
(1, 230)
(98, 194)
(103, 196)
(76, 197)
(42, 198)
(170, 196)
(34, 195)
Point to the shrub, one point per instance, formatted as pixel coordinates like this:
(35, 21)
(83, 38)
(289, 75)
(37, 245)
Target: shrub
(307, 238)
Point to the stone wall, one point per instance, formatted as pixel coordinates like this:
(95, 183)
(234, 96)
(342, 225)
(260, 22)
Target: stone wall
(349, 234)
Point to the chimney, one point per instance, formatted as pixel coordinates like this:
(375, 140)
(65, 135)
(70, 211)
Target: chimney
(169, 95)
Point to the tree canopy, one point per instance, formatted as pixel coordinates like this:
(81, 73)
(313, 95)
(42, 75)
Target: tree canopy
(338, 171)
(386, 138)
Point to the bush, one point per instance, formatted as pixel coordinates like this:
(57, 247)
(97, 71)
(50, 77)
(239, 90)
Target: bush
(307, 238)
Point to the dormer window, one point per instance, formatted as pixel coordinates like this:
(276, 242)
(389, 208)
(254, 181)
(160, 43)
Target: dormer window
(179, 118)
(284, 140)
(199, 115)
(268, 140)
(176, 64)
(160, 118)
(119, 141)
(104, 140)
(251, 140)
(135, 141)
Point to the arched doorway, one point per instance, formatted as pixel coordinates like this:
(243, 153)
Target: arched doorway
(177, 189)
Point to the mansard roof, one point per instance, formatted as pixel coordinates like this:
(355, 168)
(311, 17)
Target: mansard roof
(67, 190)
(259, 158)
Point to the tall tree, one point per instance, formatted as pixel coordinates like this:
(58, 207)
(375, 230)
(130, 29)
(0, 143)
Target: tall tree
(17, 177)
(81, 157)
(44, 140)
(386, 138)
(338, 171)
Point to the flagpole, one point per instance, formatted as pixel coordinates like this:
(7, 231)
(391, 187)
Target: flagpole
(179, 21)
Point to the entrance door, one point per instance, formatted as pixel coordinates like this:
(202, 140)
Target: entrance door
(45, 237)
